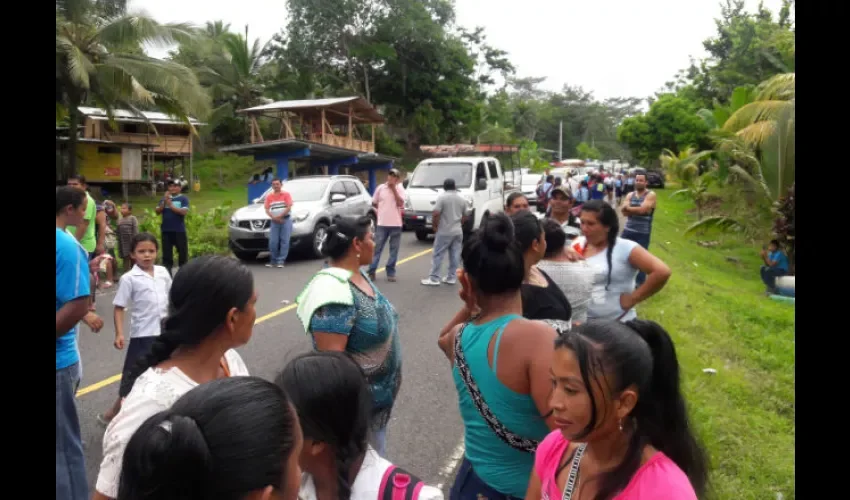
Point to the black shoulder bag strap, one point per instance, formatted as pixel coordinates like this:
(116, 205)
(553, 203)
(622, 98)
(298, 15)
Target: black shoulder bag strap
(514, 441)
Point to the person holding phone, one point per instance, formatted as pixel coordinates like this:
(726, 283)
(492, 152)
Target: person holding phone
(173, 208)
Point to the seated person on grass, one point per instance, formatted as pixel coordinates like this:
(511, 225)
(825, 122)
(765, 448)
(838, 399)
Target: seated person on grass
(776, 265)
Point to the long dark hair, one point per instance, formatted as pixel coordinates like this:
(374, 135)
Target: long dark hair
(607, 217)
(202, 293)
(334, 403)
(221, 440)
(492, 257)
(341, 234)
(638, 353)
(527, 229)
(556, 238)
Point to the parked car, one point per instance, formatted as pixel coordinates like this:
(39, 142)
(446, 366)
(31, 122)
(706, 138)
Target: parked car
(315, 202)
(654, 178)
(479, 180)
(528, 187)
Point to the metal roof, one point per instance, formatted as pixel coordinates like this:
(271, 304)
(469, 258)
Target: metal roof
(124, 115)
(83, 140)
(310, 108)
(317, 150)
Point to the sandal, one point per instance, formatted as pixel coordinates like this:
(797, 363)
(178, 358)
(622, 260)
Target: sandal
(102, 420)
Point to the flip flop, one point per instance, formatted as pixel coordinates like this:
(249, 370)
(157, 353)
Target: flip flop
(103, 420)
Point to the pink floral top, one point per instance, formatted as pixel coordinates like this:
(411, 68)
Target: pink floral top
(658, 479)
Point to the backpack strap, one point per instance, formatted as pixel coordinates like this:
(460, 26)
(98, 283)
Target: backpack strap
(398, 484)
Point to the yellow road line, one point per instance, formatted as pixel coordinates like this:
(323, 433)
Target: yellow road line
(115, 378)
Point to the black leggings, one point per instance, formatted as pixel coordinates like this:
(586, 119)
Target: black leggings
(170, 240)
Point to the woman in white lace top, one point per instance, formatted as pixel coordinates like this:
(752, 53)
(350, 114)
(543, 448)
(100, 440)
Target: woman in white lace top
(211, 311)
(575, 279)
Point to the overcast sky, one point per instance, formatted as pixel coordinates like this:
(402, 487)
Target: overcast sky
(610, 47)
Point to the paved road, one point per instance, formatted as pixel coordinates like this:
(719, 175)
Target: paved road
(425, 432)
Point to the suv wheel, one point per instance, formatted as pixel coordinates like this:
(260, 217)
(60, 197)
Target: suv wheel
(422, 235)
(320, 232)
(374, 226)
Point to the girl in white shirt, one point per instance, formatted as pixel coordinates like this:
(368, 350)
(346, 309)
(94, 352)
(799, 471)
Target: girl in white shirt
(211, 311)
(145, 290)
(332, 399)
(230, 438)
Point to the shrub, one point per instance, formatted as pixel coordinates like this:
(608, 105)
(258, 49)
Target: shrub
(206, 231)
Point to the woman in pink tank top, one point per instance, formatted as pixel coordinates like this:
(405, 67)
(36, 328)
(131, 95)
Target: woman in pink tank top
(623, 429)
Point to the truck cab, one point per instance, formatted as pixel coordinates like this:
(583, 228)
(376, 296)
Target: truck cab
(479, 180)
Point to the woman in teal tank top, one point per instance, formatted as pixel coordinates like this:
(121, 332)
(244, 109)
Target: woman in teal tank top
(502, 386)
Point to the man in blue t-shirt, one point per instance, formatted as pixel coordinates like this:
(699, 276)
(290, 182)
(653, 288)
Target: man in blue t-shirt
(173, 207)
(72, 306)
(776, 265)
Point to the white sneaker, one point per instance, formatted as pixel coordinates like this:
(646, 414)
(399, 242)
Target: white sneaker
(279, 266)
(269, 265)
(430, 282)
(450, 280)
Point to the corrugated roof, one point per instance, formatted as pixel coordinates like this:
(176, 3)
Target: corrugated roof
(310, 108)
(124, 115)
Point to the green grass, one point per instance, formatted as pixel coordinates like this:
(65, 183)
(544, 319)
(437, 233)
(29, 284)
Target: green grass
(719, 317)
(201, 201)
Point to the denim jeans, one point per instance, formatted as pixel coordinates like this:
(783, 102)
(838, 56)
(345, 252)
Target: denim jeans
(446, 243)
(641, 239)
(468, 486)
(70, 463)
(769, 275)
(279, 234)
(382, 234)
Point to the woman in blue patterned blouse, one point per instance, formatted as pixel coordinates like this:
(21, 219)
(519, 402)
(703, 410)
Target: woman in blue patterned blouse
(343, 310)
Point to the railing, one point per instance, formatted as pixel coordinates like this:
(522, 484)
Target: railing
(343, 142)
(166, 144)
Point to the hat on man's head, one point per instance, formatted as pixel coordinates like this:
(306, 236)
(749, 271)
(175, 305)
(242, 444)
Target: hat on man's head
(394, 172)
(563, 190)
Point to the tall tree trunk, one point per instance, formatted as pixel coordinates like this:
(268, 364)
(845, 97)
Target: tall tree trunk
(366, 84)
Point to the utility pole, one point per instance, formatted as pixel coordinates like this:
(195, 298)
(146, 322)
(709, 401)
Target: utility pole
(561, 140)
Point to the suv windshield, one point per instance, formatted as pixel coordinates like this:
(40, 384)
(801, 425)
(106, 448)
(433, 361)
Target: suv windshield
(432, 175)
(302, 189)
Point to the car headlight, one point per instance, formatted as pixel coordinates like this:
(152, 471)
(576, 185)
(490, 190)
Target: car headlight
(233, 222)
(300, 216)
(407, 204)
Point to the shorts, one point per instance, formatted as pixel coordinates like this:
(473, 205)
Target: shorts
(137, 349)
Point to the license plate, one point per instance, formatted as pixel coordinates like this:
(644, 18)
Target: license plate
(429, 219)
(260, 235)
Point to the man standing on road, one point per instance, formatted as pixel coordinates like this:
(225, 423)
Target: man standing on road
(389, 202)
(173, 207)
(278, 206)
(450, 212)
(639, 207)
(72, 306)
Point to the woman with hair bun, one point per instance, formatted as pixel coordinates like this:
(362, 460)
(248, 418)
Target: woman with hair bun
(342, 310)
(230, 439)
(502, 386)
(211, 311)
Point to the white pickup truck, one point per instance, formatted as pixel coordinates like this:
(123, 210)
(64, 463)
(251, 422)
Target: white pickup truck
(479, 179)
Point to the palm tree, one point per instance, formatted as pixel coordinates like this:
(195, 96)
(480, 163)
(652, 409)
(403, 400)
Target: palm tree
(685, 165)
(100, 60)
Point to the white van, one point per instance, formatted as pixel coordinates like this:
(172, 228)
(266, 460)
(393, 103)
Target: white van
(478, 179)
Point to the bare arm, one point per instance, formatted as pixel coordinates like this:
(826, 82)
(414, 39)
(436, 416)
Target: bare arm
(398, 199)
(100, 219)
(70, 314)
(81, 229)
(657, 274)
(542, 349)
(435, 220)
(160, 207)
(534, 487)
(646, 207)
(100, 496)
(118, 317)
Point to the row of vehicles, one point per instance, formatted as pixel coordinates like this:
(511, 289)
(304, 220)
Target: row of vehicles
(318, 199)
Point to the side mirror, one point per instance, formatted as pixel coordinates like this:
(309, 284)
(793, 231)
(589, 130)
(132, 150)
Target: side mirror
(337, 198)
(481, 185)
(405, 183)
(256, 200)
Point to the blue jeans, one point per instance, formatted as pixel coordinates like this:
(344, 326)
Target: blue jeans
(279, 240)
(446, 243)
(641, 239)
(468, 486)
(769, 275)
(382, 234)
(70, 464)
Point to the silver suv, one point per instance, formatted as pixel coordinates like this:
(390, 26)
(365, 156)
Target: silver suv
(315, 202)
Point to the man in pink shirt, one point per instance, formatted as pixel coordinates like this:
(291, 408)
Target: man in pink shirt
(389, 202)
(278, 207)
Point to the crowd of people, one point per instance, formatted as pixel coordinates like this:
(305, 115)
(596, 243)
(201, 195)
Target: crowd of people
(563, 392)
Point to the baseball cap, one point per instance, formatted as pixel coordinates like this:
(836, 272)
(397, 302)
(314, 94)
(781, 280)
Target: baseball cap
(394, 172)
(562, 189)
